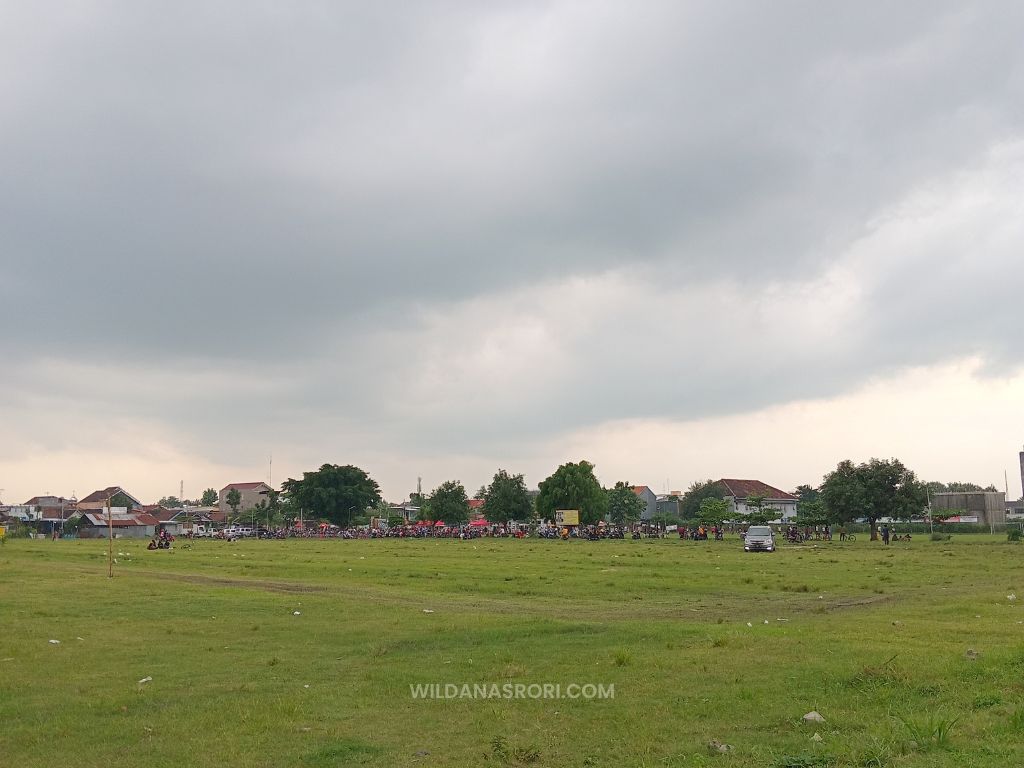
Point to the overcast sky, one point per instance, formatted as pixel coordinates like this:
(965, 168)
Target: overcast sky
(681, 240)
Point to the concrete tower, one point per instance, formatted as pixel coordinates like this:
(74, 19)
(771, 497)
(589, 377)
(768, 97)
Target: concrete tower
(1022, 474)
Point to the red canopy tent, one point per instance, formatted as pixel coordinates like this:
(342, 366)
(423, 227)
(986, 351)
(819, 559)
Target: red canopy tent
(439, 524)
(478, 523)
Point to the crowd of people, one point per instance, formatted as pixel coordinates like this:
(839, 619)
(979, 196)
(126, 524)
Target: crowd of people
(544, 530)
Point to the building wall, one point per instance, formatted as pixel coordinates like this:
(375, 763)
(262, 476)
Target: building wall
(786, 509)
(989, 506)
(651, 500)
(250, 498)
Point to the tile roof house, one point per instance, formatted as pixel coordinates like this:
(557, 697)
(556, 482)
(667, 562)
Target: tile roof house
(52, 511)
(126, 525)
(119, 497)
(738, 491)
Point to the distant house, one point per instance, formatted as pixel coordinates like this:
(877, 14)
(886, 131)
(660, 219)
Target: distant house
(47, 513)
(476, 510)
(408, 512)
(650, 500)
(125, 524)
(115, 495)
(737, 493)
(252, 494)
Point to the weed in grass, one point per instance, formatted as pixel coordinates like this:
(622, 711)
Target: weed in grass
(986, 701)
(503, 752)
(345, 752)
(720, 642)
(805, 761)
(877, 754)
(1016, 720)
(622, 658)
(872, 677)
(931, 732)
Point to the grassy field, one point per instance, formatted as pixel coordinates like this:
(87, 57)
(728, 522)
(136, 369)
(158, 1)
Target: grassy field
(302, 653)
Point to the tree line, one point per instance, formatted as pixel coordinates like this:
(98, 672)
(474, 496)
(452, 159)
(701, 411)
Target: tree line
(872, 490)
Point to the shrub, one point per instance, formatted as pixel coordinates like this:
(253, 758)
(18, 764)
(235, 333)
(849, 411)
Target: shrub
(1014, 534)
(941, 536)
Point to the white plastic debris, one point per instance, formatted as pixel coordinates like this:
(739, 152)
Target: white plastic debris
(1011, 596)
(816, 737)
(766, 621)
(296, 613)
(813, 717)
(427, 610)
(749, 624)
(55, 642)
(146, 679)
(306, 686)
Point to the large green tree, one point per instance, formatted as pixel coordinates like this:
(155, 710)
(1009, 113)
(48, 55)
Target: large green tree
(873, 490)
(806, 493)
(689, 505)
(209, 498)
(713, 510)
(449, 503)
(811, 513)
(624, 506)
(338, 493)
(506, 498)
(573, 486)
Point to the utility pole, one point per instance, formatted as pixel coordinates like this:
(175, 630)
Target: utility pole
(110, 541)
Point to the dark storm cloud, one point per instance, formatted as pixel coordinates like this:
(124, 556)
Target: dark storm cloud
(343, 198)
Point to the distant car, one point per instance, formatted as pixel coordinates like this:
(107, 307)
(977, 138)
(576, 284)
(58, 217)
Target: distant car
(759, 538)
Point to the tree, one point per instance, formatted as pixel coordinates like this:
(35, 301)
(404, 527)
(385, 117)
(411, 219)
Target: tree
(713, 510)
(757, 513)
(209, 498)
(382, 510)
(624, 506)
(449, 503)
(877, 489)
(689, 505)
(506, 498)
(169, 502)
(806, 493)
(811, 513)
(573, 486)
(234, 500)
(956, 487)
(338, 493)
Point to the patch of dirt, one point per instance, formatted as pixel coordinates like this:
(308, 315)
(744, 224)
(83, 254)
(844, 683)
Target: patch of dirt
(218, 581)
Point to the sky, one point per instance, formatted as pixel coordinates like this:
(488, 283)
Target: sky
(239, 240)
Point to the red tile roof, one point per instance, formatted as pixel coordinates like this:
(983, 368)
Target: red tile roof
(638, 489)
(106, 493)
(476, 503)
(744, 489)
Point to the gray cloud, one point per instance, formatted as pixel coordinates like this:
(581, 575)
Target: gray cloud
(367, 216)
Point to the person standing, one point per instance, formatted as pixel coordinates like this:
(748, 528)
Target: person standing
(885, 534)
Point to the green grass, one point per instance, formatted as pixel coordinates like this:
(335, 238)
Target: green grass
(700, 641)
